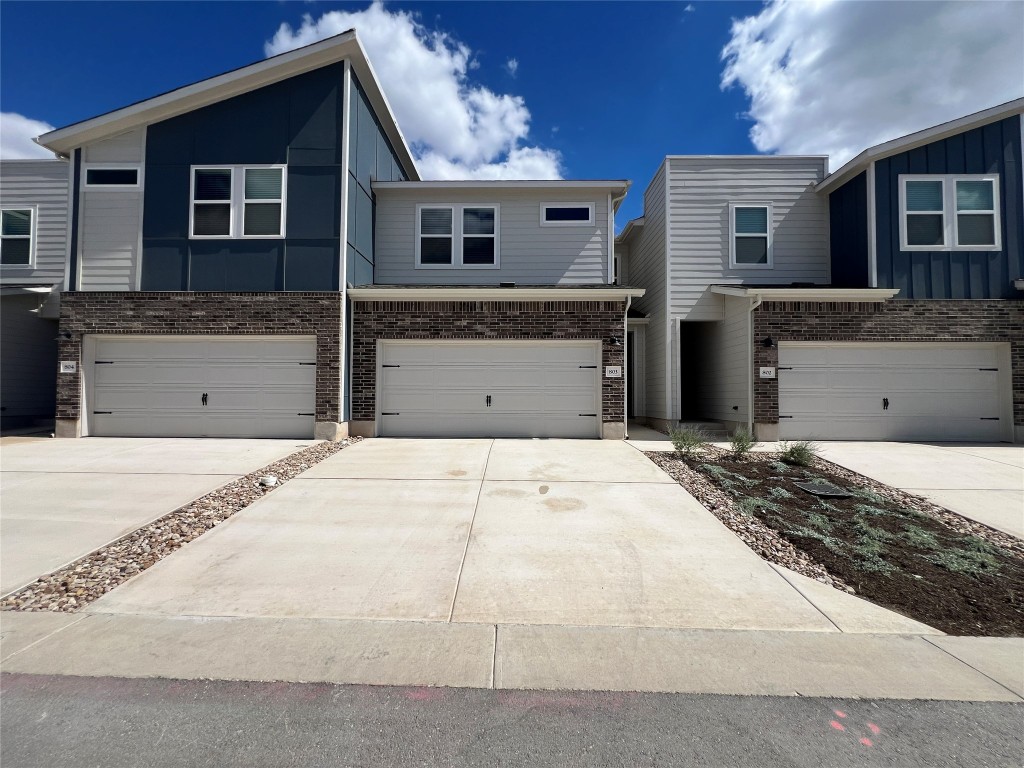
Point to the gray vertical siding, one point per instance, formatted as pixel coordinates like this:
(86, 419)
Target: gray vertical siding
(529, 254)
(43, 185)
(993, 148)
(848, 233)
(370, 158)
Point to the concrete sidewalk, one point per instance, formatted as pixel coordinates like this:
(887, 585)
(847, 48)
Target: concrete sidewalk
(62, 499)
(981, 482)
(516, 656)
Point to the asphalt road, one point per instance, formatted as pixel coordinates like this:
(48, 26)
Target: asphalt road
(49, 722)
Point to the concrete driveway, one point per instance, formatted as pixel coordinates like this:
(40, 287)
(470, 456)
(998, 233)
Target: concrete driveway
(62, 499)
(982, 482)
(488, 532)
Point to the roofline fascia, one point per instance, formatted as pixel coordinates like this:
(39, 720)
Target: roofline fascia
(493, 294)
(808, 294)
(918, 138)
(614, 185)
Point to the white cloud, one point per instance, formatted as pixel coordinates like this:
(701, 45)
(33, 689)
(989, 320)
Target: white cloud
(835, 78)
(16, 134)
(457, 128)
(512, 65)
(689, 8)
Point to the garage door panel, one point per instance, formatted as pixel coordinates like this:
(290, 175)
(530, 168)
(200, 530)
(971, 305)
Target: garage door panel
(153, 386)
(537, 389)
(934, 391)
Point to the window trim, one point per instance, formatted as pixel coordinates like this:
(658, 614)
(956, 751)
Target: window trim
(237, 201)
(950, 225)
(591, 207)
(34, 210)
(458, 235)
(86, 167)
(733, 234)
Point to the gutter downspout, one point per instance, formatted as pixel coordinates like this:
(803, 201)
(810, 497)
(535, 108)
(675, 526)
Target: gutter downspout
(755, 303)
(625, 368)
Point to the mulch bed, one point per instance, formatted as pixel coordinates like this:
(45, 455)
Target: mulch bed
(892, 548)
(89, 578)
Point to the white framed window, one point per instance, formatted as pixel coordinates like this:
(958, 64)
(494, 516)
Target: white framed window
(238, 201)
(457, 236)
(17, 236)
(566, 214)
(750, 236)
(949, 212)
(110, 177)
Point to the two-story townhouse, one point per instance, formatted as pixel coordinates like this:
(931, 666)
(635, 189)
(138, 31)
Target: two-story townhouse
(213, 232)
(33, 243)
(254, 255)
(880, 302)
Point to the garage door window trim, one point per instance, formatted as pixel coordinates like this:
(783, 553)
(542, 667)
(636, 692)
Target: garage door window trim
(238, 202)
(458, 236)
(949, 212)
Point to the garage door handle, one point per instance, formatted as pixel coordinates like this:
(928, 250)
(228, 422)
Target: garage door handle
(588, 366)
(885, 403)
(488, 401)
(587, 414)
(205, 397)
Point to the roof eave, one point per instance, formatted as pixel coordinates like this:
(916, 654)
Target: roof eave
(808, 294)
(531, 293)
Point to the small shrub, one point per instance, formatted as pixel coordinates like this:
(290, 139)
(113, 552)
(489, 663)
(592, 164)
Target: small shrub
(965, 561)
(742, 442)
(919, 537)
(819, 521)
(779, 467)
(801, 454)
(872, 511)
(688, 441)
(867, 494)
(780, 493)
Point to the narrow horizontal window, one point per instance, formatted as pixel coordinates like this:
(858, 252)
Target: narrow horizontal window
(751, 235)
(111, 177)
(16, 237)
(566, 214)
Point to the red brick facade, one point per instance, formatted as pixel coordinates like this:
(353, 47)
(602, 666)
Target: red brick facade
(484, 320)
(198, 314)
(939, 321)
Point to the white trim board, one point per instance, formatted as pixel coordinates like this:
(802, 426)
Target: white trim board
(611, 293)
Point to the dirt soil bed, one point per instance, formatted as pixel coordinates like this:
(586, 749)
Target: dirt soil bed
(930, 565)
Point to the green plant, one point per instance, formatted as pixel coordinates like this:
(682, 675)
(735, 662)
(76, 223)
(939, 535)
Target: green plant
(780, 493)
(742, 442)
(867, 494)
(965, 561)
(688, 441)
(748, 505)
(800, 454)
(779, 467)
(919, 537)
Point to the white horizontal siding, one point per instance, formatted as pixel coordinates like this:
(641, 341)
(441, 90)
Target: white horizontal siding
(700, 190)
(111, 220)
(44, 185)
(529, 253)
(646, 268)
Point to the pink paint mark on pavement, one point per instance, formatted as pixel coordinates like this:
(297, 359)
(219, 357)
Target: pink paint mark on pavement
(838, 713)
(874, 729)
(837, 725)
(424, 694)
(866, 741)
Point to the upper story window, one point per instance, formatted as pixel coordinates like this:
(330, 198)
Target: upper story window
(457, 236)
(111, 177)
(566, 214)
(750, 235)
(16, 232)
(238, 201)
(946, 212)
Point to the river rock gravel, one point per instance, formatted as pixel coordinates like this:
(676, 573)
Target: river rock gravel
(88, 578)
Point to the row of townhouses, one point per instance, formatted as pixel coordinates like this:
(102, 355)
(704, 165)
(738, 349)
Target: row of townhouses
(255, 255)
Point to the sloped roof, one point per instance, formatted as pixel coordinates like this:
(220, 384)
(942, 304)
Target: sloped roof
(233, 83)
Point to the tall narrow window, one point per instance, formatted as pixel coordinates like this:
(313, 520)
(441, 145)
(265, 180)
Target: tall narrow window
(436, 236)
(211, 202)
(975, 212)
(925, 218)
(751, 238)
(263, 201)
(16, 237)
(478, 235)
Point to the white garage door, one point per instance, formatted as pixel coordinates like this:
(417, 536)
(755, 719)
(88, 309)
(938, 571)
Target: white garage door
(489, 389)
(188, 386)
(890, 392)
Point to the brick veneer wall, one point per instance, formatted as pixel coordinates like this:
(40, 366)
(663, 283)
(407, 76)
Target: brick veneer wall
(482, 320)
(948, 321)
(201, 314)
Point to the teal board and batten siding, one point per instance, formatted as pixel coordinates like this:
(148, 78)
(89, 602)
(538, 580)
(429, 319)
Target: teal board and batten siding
(370, 158)
(993, 148)
(848, 233)
(297, 122)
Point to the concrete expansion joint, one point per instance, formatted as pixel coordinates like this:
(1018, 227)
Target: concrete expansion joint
(968, 664)
(469, 535)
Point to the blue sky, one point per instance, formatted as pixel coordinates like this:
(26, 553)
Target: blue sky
(597, 90)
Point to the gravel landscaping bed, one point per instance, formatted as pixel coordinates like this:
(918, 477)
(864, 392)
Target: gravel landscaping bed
(92, 576)
(891, 547)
